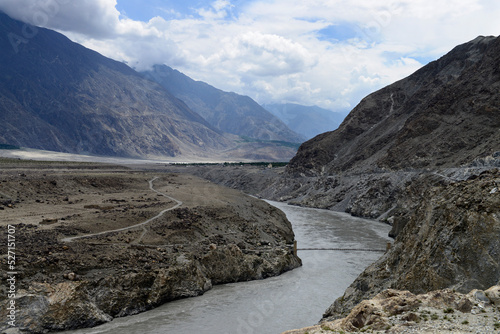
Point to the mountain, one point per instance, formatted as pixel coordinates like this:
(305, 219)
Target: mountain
(421, 154)
(308, 121)
(228, 112)
(58, 95)
(437, 126)
(444, 115)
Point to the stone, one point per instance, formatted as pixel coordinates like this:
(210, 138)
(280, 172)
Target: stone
(493, 295)
(480, 296)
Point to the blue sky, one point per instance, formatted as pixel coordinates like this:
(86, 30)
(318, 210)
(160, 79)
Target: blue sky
(329, 53)
(145, 10)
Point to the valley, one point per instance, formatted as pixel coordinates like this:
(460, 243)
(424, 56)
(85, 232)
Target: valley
(147, 187)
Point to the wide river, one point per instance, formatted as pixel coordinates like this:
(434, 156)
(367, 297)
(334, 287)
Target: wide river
(293, 300)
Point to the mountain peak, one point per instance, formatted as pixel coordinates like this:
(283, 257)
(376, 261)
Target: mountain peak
(445, 114)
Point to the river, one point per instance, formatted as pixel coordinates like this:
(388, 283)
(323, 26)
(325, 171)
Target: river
(293, 300)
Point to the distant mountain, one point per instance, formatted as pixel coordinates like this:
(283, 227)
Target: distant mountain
(228, 112)
(58, 95)
(308, 121)
(444, 115)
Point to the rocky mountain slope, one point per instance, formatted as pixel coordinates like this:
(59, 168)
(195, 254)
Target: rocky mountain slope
(420, 154)
(444, 115)
(60, 96)
(438, 125)
(228, 112)
(309, 121)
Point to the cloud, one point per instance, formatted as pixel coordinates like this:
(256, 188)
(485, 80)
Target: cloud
(94, 18)
(264, 55)
(325, 52)
(219, 10)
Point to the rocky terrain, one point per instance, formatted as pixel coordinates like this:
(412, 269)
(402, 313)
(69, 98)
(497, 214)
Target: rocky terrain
(95, 241)
(440, 311)
(444, 115)
(450, 241)
(421, 154)
(438, 125)
(448, 248)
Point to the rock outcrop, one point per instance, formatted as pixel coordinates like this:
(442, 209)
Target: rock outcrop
(450, 241)
(395, 311)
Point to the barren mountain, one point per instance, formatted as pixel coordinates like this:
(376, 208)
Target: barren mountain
(446, 114)
(228, 112)
(58, 95)
(308, 121)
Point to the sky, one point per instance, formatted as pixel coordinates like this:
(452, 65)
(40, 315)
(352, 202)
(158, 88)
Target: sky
(329, 53)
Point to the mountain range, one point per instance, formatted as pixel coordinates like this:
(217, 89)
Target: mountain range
(58, 95)
(228, 112)
(309, 121)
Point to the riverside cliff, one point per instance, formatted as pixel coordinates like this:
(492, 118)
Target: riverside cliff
(420, 155)
(83, 260)
(450, 241)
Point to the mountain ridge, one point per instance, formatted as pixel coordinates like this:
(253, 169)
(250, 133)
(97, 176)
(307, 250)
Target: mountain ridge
(381, 130)
(227, 111)
(57, 95)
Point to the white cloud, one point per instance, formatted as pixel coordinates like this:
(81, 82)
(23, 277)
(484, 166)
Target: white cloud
(219, 10)
(263, 55)
(272, 50)
(96, 18)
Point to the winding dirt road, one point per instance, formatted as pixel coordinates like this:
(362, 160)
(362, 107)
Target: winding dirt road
(143, 224)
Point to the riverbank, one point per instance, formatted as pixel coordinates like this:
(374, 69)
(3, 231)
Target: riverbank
(292, 300)
(217, 235)
(441, 311)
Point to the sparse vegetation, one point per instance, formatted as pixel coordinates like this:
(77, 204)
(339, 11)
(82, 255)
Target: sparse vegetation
(326, 328)
(276, 142)
(257, 163)
(9, 147)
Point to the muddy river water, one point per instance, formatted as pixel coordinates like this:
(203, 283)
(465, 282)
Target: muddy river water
(293, 300)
